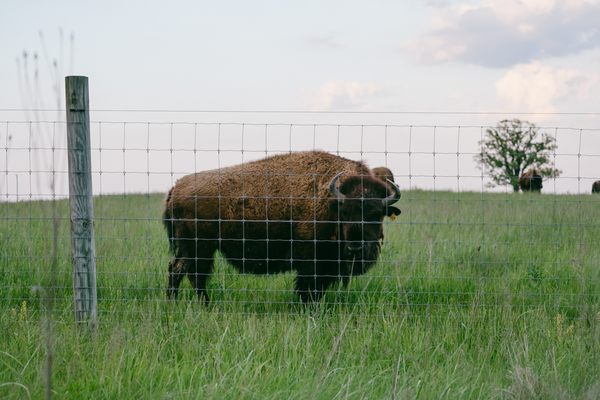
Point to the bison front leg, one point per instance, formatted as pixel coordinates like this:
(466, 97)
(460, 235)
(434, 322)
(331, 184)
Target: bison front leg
(311, 286)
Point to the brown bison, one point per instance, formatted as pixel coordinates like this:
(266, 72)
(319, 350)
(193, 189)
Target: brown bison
(311, 212)
(383, 173)
(596, 187)
(531, 181)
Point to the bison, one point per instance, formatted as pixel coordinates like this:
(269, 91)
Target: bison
(383, 173)
(311, 212)
(596, 187)
(531, 181)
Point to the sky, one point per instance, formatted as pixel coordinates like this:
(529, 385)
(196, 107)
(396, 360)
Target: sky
(434, 63)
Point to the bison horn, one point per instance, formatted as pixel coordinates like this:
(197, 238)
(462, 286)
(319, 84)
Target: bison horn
(391, 199)
(333, 188)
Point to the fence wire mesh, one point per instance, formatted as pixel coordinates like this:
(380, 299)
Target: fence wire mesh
(279, 234)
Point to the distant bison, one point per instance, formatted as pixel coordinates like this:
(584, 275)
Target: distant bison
(311, 212)
(531, 181)
(383, 173)
(596, 187)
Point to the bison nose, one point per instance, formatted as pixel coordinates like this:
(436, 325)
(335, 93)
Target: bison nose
(354, 247)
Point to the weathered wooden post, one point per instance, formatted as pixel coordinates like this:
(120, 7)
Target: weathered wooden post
(80, 199)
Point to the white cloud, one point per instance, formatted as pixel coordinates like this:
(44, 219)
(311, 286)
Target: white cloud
(535, 87)
(344, 95)
(501, 33)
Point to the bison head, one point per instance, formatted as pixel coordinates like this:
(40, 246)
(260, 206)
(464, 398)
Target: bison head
(361, 204)
(536, 183)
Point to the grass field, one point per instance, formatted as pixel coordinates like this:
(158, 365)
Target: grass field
(475, 296)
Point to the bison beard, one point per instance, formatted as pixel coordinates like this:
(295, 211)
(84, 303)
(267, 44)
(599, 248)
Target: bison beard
(311, 212)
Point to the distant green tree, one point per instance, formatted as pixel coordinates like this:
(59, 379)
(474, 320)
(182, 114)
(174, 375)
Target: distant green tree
(511, 147)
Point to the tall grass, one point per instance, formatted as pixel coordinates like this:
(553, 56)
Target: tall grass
(475, 296)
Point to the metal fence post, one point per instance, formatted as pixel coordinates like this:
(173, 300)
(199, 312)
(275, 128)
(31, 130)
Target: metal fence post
(80, 199)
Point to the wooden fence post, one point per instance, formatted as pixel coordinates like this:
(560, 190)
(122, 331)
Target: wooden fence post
(80, 199)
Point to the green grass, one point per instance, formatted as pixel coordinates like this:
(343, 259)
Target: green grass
(475, 296)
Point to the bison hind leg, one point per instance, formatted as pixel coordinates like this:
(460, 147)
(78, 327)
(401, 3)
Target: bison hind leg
(197, 271)
(177, 270)
(199, 276)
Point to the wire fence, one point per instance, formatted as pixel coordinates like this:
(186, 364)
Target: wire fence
(256, 236)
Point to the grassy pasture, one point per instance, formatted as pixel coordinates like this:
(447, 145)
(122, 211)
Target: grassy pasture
(475, 296)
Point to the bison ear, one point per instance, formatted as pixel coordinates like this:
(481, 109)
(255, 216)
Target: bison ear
(392, 211)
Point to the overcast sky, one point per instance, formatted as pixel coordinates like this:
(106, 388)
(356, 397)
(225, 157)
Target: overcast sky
(505, 56)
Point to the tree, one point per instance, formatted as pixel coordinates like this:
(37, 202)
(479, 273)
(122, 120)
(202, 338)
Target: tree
(511, 147)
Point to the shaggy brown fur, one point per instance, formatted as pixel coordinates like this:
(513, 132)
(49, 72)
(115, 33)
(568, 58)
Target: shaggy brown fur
(383, 173)
(596, 187)
(531, 181)
(277, 214)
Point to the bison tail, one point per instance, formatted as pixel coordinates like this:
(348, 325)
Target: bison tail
(169, 223)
